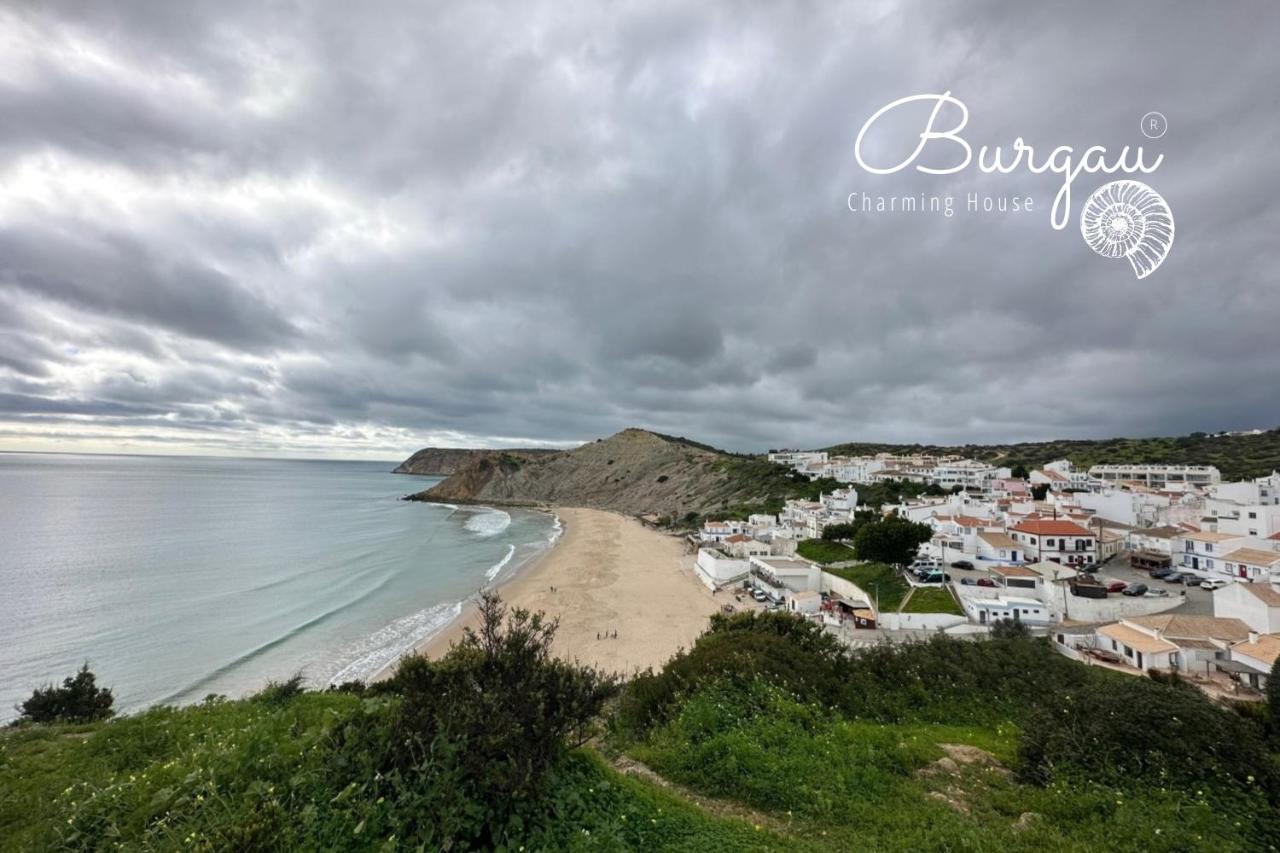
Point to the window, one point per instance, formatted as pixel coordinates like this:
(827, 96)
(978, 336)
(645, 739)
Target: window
(1208, 564)
(1208, 547)
(1253, 515)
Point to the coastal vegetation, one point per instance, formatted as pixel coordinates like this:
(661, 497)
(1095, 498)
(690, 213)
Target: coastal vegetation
(882, 582)
(78, 700)
(825, 552)
(766, 734)
(1236, 456)
(932, 600)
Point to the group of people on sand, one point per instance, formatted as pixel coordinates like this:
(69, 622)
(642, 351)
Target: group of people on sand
(607, 635)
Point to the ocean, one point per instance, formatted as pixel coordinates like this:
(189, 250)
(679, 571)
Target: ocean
(178, 577)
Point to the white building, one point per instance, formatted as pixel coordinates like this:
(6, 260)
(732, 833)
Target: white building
(790, 573)
(1173, 642)
(1252, 564)
(1056, 540)
(999, 548)
(1255, 604)
(1259, 654)
(1157, 540)
(984, 611)
(717, 569)
(1158, 475)
(968, 474)
(1203, 550)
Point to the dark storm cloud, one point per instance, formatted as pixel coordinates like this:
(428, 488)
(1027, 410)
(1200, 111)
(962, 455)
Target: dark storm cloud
(353, 229)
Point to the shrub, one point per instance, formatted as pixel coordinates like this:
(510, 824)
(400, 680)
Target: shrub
(892, 540)
(280, 692)
(493, 715)
(782, 648)
(1123, 730)
(78, 700)
(1009, 629)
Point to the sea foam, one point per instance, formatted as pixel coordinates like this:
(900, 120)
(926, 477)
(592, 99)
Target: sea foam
(497, 567)
(386, 645)
(488, 522)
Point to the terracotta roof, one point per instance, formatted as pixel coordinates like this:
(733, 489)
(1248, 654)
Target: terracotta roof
(738, 537)
(1265, 650)
(1253, 556)
(1014, 572)
(1136, 639)
(865, 614)
(1051, 527)
(972, 521)
(1158, 532)
(998, 540)
(1265, 592)
(1193, 627)
(1209, 536)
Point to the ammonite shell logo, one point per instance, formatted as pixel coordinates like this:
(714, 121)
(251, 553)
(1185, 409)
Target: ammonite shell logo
(1128, 219)
(1121, 219)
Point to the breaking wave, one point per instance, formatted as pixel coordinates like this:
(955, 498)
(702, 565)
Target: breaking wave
(488, 522)
(388, 644)
(497, 567)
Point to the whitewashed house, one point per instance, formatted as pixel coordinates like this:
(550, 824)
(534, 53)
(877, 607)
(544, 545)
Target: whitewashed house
(1252, 564)
(1203, 550)
(1255, 604)
(1056, 540)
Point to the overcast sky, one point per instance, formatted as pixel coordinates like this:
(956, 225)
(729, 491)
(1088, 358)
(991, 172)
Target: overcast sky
(354, 229)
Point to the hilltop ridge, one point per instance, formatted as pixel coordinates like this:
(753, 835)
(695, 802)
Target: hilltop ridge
(1237, 456)
(443, 461)
(635, 471)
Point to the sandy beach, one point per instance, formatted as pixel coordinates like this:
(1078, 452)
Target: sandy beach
(609, 573)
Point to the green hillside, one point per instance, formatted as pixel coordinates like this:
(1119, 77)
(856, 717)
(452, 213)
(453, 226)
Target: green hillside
(1236, 456)
(765, 735)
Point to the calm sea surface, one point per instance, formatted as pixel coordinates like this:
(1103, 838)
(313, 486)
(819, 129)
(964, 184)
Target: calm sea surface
(180, 577)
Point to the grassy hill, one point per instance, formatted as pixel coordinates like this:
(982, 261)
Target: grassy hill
(636, 472)
(1236, 456)
(765, 735)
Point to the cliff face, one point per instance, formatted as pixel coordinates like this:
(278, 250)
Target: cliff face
(443, 461)
(634, 472)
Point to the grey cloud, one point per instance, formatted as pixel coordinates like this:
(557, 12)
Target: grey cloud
(386, 223)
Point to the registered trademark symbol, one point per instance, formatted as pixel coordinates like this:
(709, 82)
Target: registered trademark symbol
(1154, 125)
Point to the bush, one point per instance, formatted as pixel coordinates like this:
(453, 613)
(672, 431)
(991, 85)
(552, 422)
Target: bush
(893, 540)
(493, 715)
(1123, 730)
(78, 700)
(280, 692)
(780, 647)
(1009, 629)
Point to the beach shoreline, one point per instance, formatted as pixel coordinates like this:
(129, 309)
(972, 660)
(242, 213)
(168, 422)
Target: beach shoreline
(606, 574)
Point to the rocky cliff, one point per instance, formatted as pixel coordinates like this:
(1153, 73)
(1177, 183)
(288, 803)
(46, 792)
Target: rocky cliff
(443, 461)
(635, 472)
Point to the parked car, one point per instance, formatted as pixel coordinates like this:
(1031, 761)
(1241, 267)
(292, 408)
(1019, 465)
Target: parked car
(1192, 580)
(937, 577)
(1157, 593)
(986, 582)
(1213, 583)
(926, 564)
(1176, 577)
(962, 564)
(968, 581)
(1160, 574)
(1136, 589)
(1116, 586)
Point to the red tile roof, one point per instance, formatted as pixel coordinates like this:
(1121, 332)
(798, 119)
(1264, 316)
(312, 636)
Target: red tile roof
(1051, 527)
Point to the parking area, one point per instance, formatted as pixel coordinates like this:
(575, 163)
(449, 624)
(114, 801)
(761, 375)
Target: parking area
(1191, 601)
